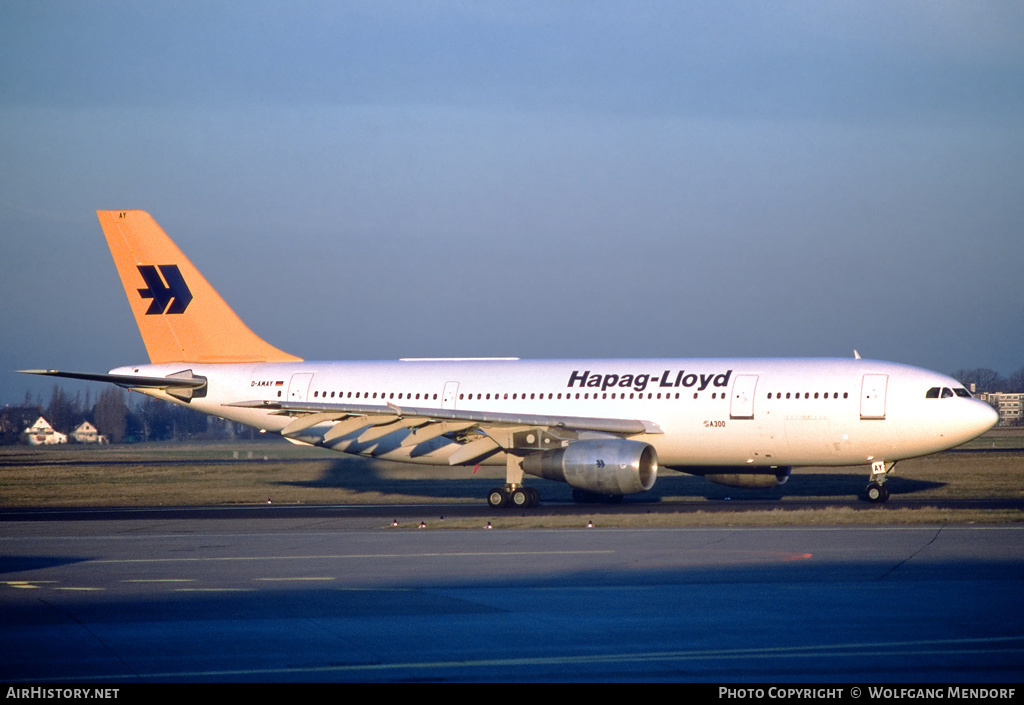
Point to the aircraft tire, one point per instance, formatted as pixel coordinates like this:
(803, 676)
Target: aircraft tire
(877, 493)
(497, 498)
(521, 498)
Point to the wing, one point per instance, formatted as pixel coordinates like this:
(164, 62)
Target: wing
(355, 427)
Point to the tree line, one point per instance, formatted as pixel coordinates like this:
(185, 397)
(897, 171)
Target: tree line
(986, 380)
(121, 417)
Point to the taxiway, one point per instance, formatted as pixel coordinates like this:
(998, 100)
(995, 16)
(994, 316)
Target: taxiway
(203, 595)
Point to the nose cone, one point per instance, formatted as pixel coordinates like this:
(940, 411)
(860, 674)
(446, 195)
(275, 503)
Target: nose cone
(979, 419)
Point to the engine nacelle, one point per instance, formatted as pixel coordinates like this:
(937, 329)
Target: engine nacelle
(744, 476)
(613, 466)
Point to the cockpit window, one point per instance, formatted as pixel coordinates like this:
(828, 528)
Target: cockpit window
(946, 393)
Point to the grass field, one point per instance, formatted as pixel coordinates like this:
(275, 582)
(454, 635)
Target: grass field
(276, 471)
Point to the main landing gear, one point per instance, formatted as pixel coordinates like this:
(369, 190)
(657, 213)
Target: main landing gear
(511, 495)
(876, 491)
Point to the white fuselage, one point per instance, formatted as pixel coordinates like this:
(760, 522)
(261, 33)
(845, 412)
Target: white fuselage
(711, 412)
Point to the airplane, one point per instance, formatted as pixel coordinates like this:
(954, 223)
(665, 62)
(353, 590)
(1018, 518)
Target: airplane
(604, 427)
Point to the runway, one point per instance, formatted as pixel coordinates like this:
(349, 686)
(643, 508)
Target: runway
(240, 596)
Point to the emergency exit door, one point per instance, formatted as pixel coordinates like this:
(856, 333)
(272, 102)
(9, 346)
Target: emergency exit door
(298, 386)
(872, 396)
(741, 406)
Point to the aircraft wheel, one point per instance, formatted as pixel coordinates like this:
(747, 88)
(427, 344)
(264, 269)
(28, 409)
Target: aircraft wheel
(497, 498)
(534, 497)
(521, 497)
(877, 493)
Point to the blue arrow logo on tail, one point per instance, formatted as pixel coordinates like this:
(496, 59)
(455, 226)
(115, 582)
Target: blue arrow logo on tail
(165, 287)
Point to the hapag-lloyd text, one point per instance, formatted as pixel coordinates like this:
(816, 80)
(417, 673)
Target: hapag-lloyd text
(639, 382)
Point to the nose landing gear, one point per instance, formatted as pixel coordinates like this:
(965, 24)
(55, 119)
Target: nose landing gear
(876, 491)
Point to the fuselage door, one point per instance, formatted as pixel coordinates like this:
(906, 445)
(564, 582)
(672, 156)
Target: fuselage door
(451, 393)
(298, 386)
(872, 396)
(741, 405)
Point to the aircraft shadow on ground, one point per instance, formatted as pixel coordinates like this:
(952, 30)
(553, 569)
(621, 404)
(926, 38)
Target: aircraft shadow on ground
(363, 476)
(16, 564)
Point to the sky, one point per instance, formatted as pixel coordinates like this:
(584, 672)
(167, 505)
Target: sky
(385, 179)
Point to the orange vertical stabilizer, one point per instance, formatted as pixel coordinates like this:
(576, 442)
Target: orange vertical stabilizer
(181, 317)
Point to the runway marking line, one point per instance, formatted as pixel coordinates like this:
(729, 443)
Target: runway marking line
(293, 580)
(350, 556)
(27, 584)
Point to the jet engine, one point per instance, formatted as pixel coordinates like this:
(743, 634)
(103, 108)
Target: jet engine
(611, 466)
(743, 476)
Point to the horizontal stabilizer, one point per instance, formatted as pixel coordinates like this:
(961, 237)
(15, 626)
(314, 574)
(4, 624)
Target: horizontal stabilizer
(128, 381)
